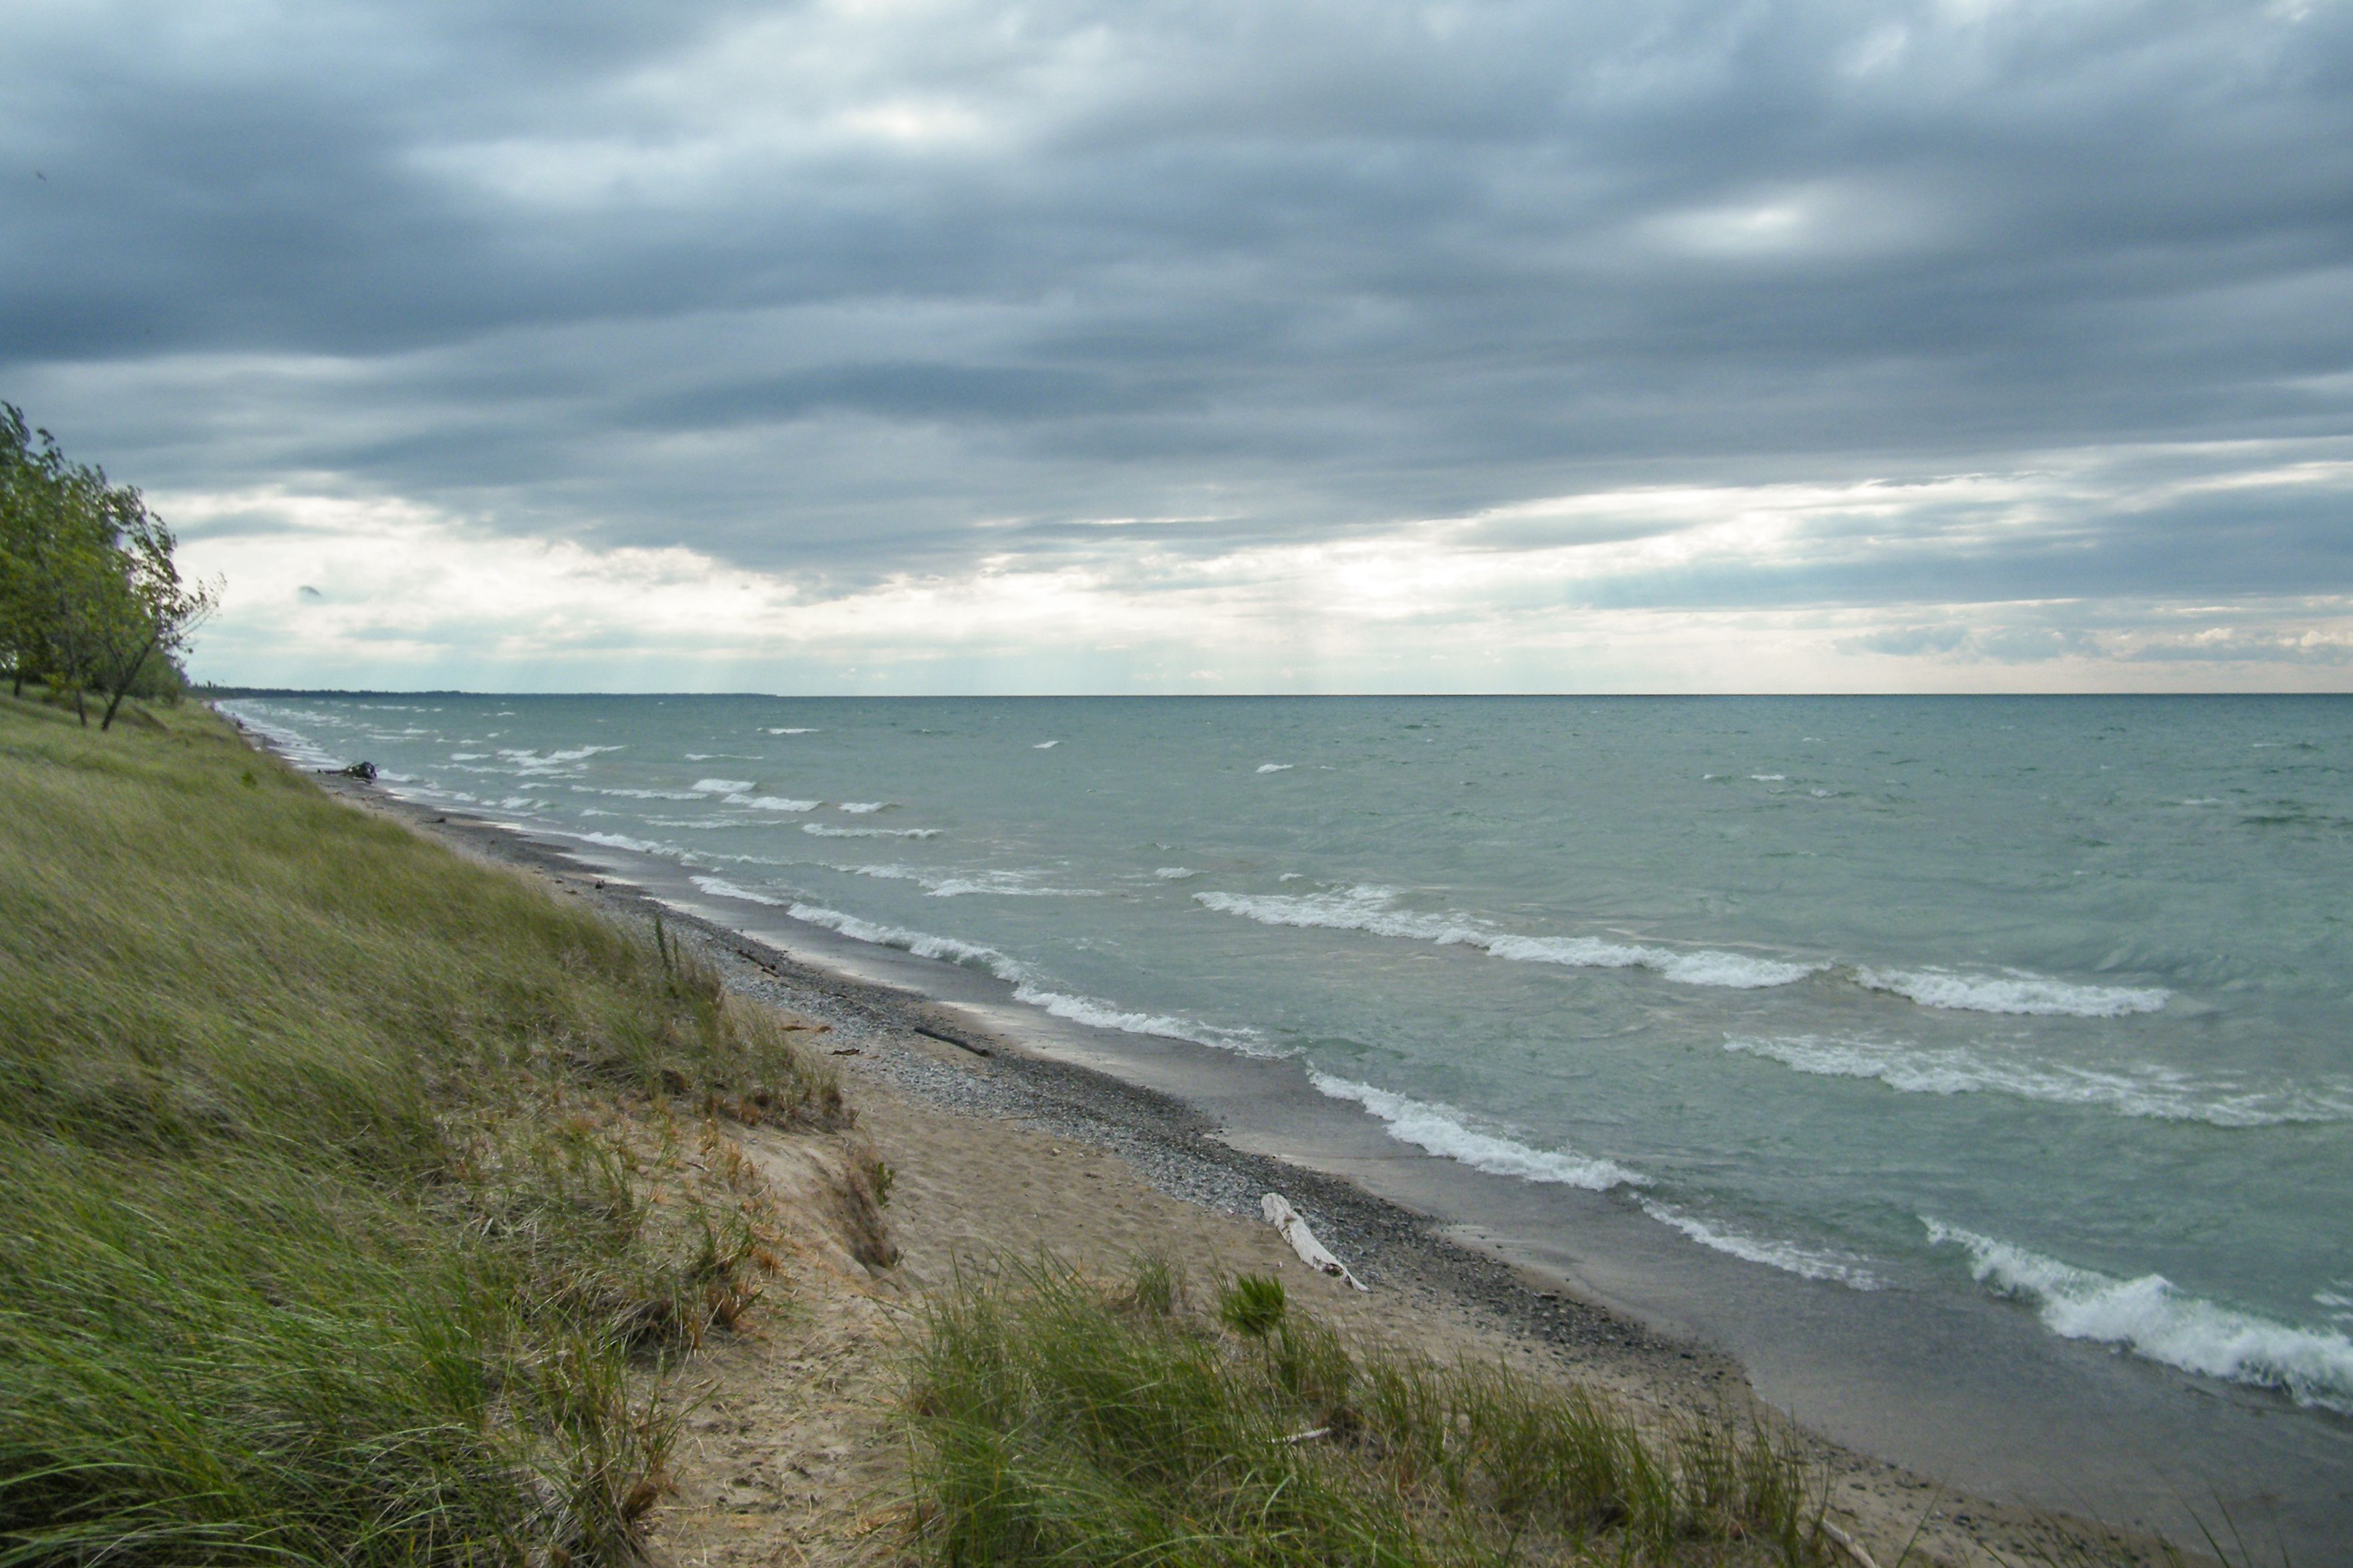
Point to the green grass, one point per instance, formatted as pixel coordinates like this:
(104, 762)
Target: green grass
(1059, 1421)
(352, 1195)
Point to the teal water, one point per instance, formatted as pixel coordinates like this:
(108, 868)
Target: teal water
(2047, 998)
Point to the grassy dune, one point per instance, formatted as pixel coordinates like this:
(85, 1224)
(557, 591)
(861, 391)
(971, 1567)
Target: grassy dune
(1059, 1421)
(350, 1195)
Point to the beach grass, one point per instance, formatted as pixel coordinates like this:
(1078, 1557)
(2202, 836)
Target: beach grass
(1057, 1419)
(353, 1197)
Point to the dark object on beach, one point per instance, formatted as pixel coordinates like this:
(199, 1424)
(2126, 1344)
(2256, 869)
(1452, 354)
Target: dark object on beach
(365, 772)
(848, 1051)
(951, 1040)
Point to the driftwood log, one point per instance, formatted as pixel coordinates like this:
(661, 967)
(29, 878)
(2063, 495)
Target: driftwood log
(1312, 1252)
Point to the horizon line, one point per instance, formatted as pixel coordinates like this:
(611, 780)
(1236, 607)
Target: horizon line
(210, 692)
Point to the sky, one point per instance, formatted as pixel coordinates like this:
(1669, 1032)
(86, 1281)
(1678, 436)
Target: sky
(1221, 345)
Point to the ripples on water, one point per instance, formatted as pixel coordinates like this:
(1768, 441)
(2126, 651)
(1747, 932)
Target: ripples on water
(2042, 998)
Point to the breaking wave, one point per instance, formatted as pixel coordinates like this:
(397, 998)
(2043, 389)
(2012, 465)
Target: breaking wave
(1810, 1263)
(949, 950)
(999, 884)
(2150, 1092)
(2015, 992)
(1086, 1010)
(2151, 1318)
(726, 890)
(612, 840)
(823, 831)
(770, 801)
(1374, 910)
(1438, 1129)
(531, 761)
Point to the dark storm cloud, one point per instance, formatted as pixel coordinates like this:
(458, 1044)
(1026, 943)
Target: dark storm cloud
(856, 289)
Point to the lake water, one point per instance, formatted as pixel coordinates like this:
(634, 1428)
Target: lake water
(2040, 1000)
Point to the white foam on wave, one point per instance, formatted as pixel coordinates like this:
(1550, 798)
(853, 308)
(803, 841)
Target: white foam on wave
(2150, 1092)
(295, 746)
(1373, 909)
(529, 759)
(2153, 1320)
(794, 731)
(2016, 991)
(726, 890)
(1045, 745)
(770, 801)
(634, 794)
(822, 831)
(467, 756)
(1175, 873)
(617, 841)
(1101, 1015)
(1441, 1130)
(1007, 885)
(923, 944)
(863, 807)
(956, 885)
(1089, 1010)
(1701, 966)
(1810, 1263)
(1274, 767)
(1769, 778)
(722, 786)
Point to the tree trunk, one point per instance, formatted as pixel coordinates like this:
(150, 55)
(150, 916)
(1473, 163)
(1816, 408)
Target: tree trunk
(123, 676)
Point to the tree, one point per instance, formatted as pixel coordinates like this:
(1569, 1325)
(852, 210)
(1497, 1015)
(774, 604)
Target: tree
(90, 596)
(155, 613)
(29, 516)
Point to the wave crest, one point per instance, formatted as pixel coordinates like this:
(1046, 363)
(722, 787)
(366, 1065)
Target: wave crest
(1438, 1130)
(2154, 1321)
(771, 802)
(2035, 996)
(1806, 1262)
(822, 831)
(1373, 909)
(2149, 1091)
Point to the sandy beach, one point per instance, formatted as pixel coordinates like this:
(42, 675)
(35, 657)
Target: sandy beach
(997, 1153)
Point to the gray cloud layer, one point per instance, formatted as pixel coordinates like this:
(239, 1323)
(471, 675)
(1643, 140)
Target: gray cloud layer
(848, 290)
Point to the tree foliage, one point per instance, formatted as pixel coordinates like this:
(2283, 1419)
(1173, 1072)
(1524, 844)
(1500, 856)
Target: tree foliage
(91, 599)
